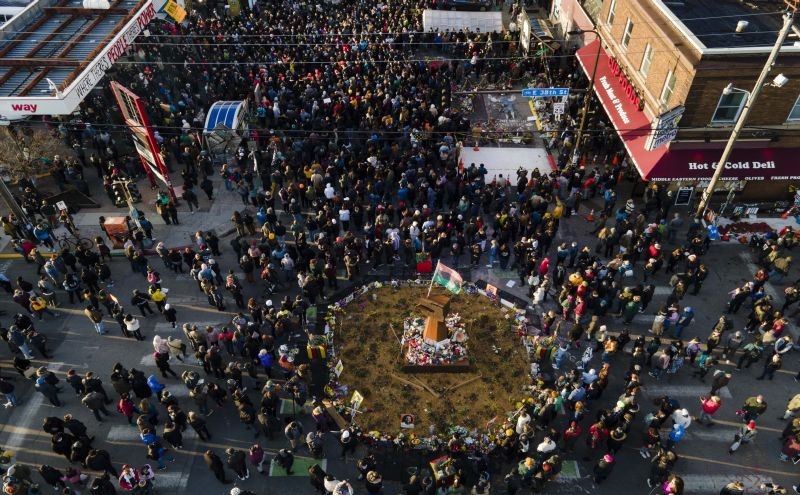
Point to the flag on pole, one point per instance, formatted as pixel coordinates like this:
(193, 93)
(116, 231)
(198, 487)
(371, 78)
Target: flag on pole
(447, 278)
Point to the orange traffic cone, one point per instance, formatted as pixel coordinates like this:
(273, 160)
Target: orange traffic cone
(590, 216)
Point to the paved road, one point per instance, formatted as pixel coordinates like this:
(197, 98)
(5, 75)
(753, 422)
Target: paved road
(705, 463)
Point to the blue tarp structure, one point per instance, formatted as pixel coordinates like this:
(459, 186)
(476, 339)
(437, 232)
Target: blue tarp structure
(224, 113)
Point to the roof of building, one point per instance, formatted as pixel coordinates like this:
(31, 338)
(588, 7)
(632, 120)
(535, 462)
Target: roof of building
(52, 42)
(714, 22)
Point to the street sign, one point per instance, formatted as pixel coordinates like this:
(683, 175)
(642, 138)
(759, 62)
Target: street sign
(558, 108)
(544, 92)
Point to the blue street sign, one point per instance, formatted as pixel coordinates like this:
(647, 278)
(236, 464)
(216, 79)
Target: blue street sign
(533, 92)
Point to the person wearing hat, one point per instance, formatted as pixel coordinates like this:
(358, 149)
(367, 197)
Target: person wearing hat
(745, 435)
(735, 487)
(348, 442)
(603, 468)
(616, 439)
(374, 483)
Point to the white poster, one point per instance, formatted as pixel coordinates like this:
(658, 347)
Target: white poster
(453, 20)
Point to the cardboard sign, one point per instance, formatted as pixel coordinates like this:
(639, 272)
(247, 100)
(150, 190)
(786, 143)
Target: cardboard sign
(61, 205)
(175, 11)
(357, 399)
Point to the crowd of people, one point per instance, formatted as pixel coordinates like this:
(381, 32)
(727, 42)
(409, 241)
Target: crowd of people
(358, 131)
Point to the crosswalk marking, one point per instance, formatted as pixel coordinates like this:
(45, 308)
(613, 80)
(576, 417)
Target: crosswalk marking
(697, 391)
(23, 416)
(127, 433)
(713, 483)
(170, 481)
(717, 434)
(123, 433)
(768, 289)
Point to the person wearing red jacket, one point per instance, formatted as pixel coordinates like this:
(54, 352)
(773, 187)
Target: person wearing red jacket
(709, 406)
(129, 478)
(127, 407)
(571, 435)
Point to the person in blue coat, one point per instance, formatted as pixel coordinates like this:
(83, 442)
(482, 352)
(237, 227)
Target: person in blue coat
(156, 386)
(675, 435)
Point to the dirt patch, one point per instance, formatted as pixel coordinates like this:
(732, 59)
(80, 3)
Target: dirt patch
(372, 360)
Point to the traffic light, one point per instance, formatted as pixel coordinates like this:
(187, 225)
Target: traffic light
(120, 197)
(136, 196)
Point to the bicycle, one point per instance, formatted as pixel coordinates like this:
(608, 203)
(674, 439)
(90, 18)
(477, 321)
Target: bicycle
(65, 241)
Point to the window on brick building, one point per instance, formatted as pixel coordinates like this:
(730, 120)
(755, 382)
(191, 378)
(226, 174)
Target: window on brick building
(626, 36)
(794, 115)
(729, 107)
(669, 88)
(647, 59)
(612, 11)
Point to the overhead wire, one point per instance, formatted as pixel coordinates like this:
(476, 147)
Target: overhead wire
(704, 18)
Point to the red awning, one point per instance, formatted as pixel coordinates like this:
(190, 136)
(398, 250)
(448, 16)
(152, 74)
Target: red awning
(664, 164)
(628, 120)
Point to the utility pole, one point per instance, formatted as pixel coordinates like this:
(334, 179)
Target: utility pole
(788, 19)
(587, 99)
(134, 213)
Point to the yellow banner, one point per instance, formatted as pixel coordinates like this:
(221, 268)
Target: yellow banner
(234, 7)
(175, 11)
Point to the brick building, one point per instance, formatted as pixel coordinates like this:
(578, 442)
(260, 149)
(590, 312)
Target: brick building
(667, 60)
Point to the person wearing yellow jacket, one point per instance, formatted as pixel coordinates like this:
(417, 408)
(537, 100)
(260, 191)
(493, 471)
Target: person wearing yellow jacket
(158, 297)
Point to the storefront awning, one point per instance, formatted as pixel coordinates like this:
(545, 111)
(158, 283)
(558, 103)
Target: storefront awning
(631, 123)
(665, 164)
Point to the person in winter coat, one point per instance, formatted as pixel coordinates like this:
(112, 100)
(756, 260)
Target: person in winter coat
(675, 436)
(129, 478)
(237, 462)
(753, 408)
(102, 485)
(94, 401)
(198, 424)
(170, 315)
(285, 459)
(603, 468)
(746, 434)
(100, 460)
(127, 407)
(52, 476)
(709, 406)
(257, 457)
(792, 407)
(733, 488)
(215, 465)
(132, 327)
(173, 435)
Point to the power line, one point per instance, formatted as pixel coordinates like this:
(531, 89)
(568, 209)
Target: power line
(394, 33)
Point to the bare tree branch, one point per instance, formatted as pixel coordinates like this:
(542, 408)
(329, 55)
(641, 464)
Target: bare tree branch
(28, 152)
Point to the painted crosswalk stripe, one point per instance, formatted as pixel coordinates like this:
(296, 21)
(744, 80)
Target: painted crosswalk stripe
(123, 433)
(166, 327)
(662, 290)
(684, 391)
(717, 434)
(24, 416)
(127, 433)
(713, 483)
(171, 481)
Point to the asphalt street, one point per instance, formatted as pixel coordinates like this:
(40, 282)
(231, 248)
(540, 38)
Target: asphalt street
(705, 464)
